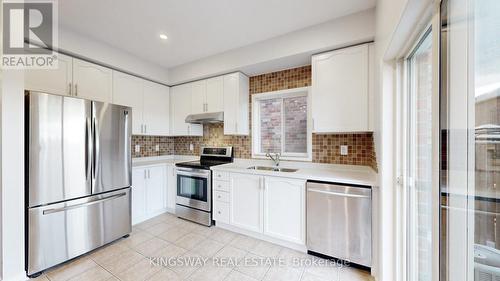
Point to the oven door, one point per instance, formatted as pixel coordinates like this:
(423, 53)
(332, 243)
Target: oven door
(194, 188)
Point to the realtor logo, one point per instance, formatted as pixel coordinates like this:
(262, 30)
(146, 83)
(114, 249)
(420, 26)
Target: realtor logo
(29, 34)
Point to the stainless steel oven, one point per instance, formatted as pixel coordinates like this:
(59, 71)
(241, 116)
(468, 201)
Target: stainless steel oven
(194, 188)
(194, 184)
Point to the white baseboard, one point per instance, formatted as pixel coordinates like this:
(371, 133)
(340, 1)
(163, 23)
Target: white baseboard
(287, 244)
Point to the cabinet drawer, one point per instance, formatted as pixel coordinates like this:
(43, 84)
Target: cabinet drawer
(223, 176)
(221, 212)
(221, 185)
(222, 196)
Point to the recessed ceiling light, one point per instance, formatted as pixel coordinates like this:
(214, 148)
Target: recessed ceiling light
(163, 36)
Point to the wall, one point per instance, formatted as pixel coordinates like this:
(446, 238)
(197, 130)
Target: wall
(326, 147)
(12, 188)
(284, 51)
(81, 46)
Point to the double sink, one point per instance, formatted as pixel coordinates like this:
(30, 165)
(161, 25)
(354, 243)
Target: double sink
(273, 169)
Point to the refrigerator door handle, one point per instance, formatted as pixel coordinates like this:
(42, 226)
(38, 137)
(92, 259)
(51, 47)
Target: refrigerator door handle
(95, 144)
(57, 210)
(88, 130)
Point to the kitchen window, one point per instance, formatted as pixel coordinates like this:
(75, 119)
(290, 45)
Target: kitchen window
(281, 124)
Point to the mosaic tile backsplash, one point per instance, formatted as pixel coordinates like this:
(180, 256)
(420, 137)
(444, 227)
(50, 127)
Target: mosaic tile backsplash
(326, 147)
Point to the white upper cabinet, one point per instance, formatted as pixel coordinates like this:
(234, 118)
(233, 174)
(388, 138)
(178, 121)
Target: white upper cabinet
(55, 81)
(340, 94)
(198, 96)
(235, 103)
(180, 108)
(92, 81)
(284, 216)
(215, 95)
(127, 91)
(150, 103)
(246, 201)
(156, 111)
(207, 96)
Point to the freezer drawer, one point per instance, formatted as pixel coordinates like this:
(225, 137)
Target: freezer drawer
(62, 231)
(339, 221)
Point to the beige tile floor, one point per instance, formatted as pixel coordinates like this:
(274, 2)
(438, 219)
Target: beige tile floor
(167, 236)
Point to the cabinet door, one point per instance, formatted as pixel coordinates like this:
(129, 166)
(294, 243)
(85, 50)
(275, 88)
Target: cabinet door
(127, 91)
(92, 81)
(171, 188)
(156, 109)
(284, 209)
(155, 189)
(246, 201)
(230, 103)
(54, 81)
(180, 108)
(215, 95)
(235, 104)
(198, 96)
(340, 91)
(138, 195)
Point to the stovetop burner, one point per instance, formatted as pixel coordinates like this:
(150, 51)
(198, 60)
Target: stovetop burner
(210, 156)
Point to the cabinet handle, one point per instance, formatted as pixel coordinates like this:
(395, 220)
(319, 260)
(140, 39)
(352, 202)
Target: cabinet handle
(236, 126)
(218, 212)
(149, 173)
(144, 174)
(70, 88)
(145, 128)
(76, 90)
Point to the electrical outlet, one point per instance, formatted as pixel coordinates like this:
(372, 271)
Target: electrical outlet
(343, 150)
(157, 147)
(137, 148)
(191, 147)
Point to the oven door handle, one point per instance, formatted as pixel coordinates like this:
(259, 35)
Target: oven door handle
(193, 174)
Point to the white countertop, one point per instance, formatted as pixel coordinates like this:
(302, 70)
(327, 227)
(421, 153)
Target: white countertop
(167, 159)
(349, 174)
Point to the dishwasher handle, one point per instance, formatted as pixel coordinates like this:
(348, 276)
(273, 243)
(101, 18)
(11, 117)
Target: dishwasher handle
(339, 193)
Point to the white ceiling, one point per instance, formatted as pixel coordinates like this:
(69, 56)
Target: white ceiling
(195, 28)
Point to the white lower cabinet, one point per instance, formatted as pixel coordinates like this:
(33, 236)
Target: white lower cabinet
(284, 209)
(246, 201)
(138, 195)
(171, 188)
(272, 206)
(156, 189)
(149, 192)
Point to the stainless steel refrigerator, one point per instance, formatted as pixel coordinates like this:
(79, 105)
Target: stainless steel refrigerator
(78, 177)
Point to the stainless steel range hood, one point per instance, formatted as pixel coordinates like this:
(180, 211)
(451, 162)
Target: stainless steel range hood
(205, 118)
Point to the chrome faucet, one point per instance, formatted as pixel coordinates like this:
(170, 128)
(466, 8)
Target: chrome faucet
(276, 158)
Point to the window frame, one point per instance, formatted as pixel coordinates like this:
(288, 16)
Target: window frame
(256, 136)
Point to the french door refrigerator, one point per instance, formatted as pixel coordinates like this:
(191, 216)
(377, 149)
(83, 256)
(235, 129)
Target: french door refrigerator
(78, 177)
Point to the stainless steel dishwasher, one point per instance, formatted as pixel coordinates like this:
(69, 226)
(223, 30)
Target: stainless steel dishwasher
(339, 221)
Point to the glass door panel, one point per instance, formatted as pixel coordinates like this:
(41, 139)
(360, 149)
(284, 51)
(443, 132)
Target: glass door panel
(419, 156)
(470, 140)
